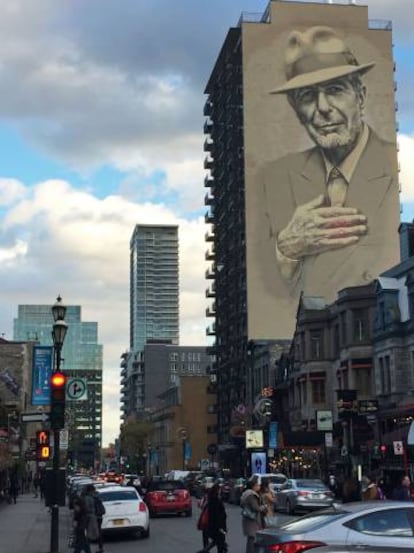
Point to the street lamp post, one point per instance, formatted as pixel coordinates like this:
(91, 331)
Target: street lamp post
(58, 334)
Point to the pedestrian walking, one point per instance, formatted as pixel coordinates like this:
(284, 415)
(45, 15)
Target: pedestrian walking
(13, 487)
(92, 528)
(216, 521)
(268, 499)
(369, 489)
(80, 521)
(99, 512)
(252, 510)
(402, 491)
(202, 523)
(351, 490)
(36, 484)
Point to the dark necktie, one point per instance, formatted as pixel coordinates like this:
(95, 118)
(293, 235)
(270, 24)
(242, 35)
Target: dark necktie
(337, 187)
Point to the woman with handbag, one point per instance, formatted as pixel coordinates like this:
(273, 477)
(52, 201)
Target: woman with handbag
(216, 521)
(202, 523)
(252, 512)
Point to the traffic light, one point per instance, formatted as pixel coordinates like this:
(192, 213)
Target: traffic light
(383, 449)
(43, 445)
(57, 400)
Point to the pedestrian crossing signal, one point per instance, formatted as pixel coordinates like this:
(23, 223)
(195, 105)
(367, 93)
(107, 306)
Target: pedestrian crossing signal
(44, 453)
(43, 445)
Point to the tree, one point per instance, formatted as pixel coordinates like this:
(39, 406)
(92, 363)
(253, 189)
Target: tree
(134, 437)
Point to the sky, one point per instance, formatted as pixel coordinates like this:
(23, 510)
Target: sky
(101, 128)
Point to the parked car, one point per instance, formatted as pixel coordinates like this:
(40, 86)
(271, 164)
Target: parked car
(276, 480)
(125, 510)
(190, 481)
(168, 497)
(303, 494)
(374, 526)
(237, 487)
(76, 489)
(201, 484)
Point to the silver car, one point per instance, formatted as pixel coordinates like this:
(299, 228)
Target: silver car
(303, 494)
(374, 526)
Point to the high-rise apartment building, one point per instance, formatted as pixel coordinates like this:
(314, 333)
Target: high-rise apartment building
(154, 305)
(81, 357)
(266, 158)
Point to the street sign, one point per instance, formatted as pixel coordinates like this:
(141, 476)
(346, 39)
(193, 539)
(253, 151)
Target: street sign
(76, 389)
(410, 438)
(212, 449)
(35, 417)
(398, 448)
(328, 439)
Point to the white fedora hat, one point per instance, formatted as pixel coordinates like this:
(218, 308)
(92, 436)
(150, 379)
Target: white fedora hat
(315, 56)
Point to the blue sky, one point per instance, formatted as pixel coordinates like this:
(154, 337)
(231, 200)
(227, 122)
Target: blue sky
(101, 128)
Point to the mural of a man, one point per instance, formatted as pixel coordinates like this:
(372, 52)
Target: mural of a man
(326, 204)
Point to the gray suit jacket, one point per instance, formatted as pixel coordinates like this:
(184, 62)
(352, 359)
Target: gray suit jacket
(299, 178)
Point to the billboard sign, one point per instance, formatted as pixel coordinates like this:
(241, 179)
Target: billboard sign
(258, 462)
(321, 171)
(41, 372)
(273, 428)
(254, 438)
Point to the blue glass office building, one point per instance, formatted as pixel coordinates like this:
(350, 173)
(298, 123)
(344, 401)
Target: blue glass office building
(82, 357)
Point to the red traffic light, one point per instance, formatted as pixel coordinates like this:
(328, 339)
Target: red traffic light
(383, 448)
(58, 380)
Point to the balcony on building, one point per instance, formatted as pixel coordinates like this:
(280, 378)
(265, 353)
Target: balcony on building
(208, 145)
(209, 216)
(211, 291)
(211, 330)
(209, 236)
(208, 162)
(207, 108)
(208, 182)
(208, 199)
(211, 272)
(210, 255)
(208, 126)
(211, 310)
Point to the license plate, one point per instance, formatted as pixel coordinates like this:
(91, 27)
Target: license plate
(170, 498)
(118, 522)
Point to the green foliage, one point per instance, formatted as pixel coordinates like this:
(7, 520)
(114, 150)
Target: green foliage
(134, 437)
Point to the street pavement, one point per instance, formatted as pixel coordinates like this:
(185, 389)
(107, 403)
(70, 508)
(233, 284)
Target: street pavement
(25, 527)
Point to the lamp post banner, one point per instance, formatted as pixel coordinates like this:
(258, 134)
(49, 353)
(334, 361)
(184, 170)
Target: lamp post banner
(273, 435)
(41, 373)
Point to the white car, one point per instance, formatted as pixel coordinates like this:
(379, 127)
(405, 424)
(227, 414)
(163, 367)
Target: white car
(124, 510)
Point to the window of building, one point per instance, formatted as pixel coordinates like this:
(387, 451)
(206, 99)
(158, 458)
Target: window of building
(363, 382)
(360, 325)
(336, 341)
(316, 344)
(318, 391)
(381, 315)
(174, 356)
(342, 320)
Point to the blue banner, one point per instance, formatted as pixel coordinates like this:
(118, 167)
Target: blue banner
(41, 371)
(187, 451)
(273, 428)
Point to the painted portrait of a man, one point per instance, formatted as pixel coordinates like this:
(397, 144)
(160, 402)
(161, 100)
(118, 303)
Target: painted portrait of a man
(330, 211)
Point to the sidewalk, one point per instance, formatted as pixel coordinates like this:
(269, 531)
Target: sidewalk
(25, 527)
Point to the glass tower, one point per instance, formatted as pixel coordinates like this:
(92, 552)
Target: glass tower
(81, 357)
(154, 305)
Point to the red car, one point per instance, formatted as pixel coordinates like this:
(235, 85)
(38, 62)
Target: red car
(165, 497)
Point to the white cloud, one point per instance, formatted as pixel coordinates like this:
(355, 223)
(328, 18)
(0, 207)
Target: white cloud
(10, 191)
(69, 242)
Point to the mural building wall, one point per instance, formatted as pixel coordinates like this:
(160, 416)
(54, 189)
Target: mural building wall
(321, 171)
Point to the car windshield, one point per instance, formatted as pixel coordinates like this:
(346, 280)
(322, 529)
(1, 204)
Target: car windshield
(168, 485)
(312, 521)
(118, 495)
(315, 484)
